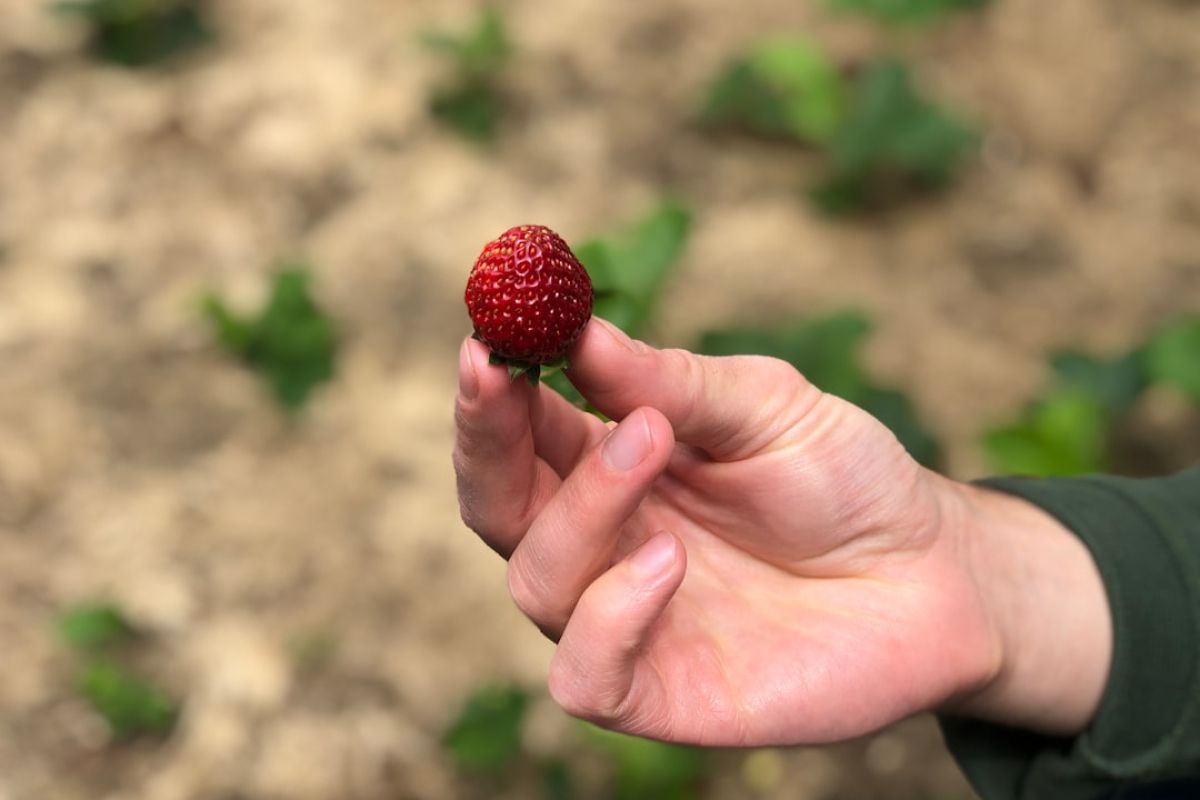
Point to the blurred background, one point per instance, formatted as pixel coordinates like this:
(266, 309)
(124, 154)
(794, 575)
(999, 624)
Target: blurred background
(233, 242)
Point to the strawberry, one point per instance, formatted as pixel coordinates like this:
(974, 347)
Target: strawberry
(529, 298)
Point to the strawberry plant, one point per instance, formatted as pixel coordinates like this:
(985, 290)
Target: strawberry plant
(485, 741)
(130, 704)
(94, 626)
(136, 33)
(1063, 433)
(785, 87)
(1173, 356)
(630, 267)
(470, 101)
(899, 12)
(1071, 429)
(827, 351)
(486, 737)
(290, 342)
(892, 142)
(878, 139)
(645, 768)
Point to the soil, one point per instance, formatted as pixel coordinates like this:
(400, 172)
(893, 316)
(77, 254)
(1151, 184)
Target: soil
(306, 585)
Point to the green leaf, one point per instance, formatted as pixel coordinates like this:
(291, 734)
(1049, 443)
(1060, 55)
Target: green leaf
(785, 87)
(479, 51)
(892, 142)
(470, 102)
(557, 781)
(648, 769)
(906, 11)
(471, 107)
(130, 704)
(1173, 356)
(628, 269)
(233, 332)
(291, 342)
(1116, 383)
(1063, 434)
(94, 627)
(486, 737)
(137, 33)
(826, 351)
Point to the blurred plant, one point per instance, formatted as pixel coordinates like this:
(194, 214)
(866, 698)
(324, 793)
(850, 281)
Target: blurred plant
(291, 342)
(1173, 356)
(130, 704)
(785, 87)
(628, 271)
(1114, 383)
(137, 33)
(891, 143)
(898, 12)
(1070, 429)
(470, 102)
(1063, 433)
(644, 768)
(558, 782)
(827, 351)
(880, 140)
(94, 626)
(486, 741)
(486, 737)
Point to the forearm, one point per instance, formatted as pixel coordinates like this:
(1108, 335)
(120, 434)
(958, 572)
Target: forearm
(1047, 609)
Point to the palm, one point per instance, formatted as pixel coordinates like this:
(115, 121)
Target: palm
(797, 601)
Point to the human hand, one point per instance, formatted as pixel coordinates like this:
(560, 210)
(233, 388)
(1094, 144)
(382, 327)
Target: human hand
(743, 560)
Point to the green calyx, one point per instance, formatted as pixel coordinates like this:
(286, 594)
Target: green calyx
(532, 372)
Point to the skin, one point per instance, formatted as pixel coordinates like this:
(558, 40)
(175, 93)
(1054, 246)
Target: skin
(745, 560)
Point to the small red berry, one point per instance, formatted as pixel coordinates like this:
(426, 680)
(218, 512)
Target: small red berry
(529, 297)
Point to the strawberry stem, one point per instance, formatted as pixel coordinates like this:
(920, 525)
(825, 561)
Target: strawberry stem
(532, 372)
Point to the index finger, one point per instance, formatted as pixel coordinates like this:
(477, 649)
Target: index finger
(502, 484)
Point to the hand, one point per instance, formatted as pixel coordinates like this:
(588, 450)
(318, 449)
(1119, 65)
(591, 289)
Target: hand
(743, 560)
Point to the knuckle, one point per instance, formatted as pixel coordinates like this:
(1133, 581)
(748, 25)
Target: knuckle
(778, 372)
(788, 392)
(570, 693)
(470, 516)
(526, 596)
(688, 373)
(561, 686)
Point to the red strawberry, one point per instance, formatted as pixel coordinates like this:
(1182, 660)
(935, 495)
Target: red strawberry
(529, 298)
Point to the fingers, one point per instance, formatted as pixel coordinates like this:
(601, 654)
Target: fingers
(573, 538)
(730, 407)
(502, 485)
(596, 671)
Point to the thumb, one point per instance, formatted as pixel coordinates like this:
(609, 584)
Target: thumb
(730, 406)
(595, 673)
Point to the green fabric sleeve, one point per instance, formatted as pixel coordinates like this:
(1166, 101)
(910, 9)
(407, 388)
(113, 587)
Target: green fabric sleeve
(1145, 538)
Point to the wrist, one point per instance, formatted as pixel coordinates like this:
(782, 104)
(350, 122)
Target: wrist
(1043, 607)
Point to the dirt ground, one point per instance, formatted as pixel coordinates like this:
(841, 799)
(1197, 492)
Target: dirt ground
(139, 463)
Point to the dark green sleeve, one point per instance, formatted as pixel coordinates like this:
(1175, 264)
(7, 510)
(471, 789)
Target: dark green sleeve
(1145, 537)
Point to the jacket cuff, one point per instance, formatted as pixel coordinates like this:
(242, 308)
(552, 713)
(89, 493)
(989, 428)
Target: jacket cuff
(1144, 538)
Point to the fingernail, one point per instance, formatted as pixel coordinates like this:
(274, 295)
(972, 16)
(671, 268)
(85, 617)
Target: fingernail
(629, 443)
(654, 557)
(619, 336)
(468, 377)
